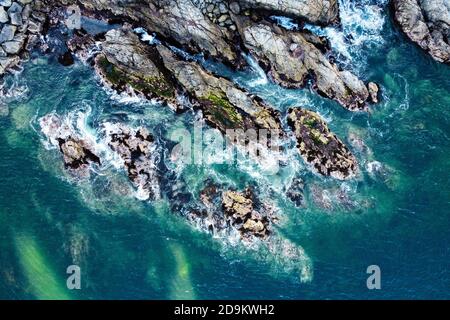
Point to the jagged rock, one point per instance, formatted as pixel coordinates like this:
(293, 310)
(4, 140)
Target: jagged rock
(321, 12)
(228, 210)
(77, 153)
(15, 8)
(178, 20)
(34, 26)
(136, 148)
(5, 3)
(292, 58)
(224, 105)
(426, 23)
(8, 63)
(3, 15)
(81, 43)
(319, 147)
(125, 61)
(7, 33)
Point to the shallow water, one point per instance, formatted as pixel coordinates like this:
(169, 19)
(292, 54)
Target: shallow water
(132, 249)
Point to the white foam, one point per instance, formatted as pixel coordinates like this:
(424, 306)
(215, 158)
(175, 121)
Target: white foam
(261, 77)
(362, 24)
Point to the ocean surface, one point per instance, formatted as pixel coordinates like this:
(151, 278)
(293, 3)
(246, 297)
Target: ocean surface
(126, 248)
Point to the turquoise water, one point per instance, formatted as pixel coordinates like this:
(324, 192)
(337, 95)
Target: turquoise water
(130, 249)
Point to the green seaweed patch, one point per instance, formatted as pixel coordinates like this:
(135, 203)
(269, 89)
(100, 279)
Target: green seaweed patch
(149, 86)
(221, 112)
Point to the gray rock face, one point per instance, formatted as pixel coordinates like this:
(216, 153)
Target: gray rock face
(321, 12)
(294, 57)
(125, 62)
(3, 15)
(12, 47)
(319, 147)
(224, 105)
(5, 3)
(7, 33)
(427, 23)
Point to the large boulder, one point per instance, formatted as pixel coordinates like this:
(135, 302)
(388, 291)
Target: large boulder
(426, 23)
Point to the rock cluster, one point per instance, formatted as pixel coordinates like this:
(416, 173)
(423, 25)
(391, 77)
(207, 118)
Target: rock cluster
(226, 210)
(20, 22)
(218, 12)
(136, 149)
(426, 23)
(319, 147)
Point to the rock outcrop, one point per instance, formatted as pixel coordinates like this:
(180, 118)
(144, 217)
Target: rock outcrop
(319, 147)
(159, 73)
(218, 29)
(224, 105)
(137, 150)
(322, 12)
(128, 64)
(427, 23)
(78, 153)
(291, 58)
(229, 211)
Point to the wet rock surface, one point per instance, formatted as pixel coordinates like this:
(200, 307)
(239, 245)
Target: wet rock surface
(78, 153)
(319, 147)
(292, 58)
(228, 211)
(137, 150)
(426, 23)
(322, 12)
(127, 64)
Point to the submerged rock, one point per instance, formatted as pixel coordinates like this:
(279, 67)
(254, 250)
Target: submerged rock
(426, 23)
(319, 147)
(295, 192)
